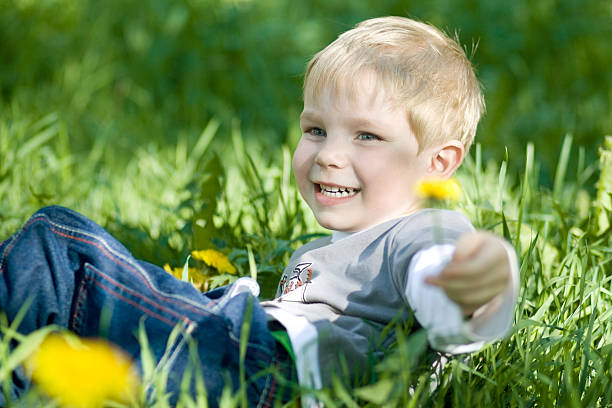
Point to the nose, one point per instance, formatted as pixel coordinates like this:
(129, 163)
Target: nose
(331, 154)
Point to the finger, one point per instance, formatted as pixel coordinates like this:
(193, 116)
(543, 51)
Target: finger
(474, 298)
(496, 278)
(493, 276)
(477, 265)
(434, 280)
(478, 246)
(468, 244)
(478, 296)
(468, 311)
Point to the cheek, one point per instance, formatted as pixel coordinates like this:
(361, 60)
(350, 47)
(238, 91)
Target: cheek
(302, 162)
(381, 166)
(389, 174)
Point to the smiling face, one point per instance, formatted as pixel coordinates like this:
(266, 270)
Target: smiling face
(358, 161)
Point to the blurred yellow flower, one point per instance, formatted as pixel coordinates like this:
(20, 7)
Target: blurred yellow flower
(195, 276)
(439, 189)
(178, 272)
(216, 259)
(82, 372)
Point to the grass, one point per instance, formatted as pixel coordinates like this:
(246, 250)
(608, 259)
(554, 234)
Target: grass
(165, 200)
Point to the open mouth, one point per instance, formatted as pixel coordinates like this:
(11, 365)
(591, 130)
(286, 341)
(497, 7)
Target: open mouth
(335, 191)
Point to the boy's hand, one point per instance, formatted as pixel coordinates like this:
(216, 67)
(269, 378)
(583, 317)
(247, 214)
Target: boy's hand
(478, 271)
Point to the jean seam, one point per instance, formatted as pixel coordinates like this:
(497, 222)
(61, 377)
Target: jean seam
(75, 323)
(124, 288)
(142, 307)
(267, 394)
(11, 243)
(264, 397)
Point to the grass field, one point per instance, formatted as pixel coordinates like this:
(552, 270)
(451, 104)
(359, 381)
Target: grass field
(163, 201)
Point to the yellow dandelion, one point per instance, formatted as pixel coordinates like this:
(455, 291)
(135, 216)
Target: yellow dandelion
(439, 189)
(178, 272)
(82, 373)
(195, 276)
(216, 259)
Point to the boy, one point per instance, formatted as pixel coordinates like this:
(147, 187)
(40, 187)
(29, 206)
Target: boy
(387, 104)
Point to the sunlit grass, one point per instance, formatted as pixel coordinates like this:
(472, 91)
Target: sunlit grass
(165, 201)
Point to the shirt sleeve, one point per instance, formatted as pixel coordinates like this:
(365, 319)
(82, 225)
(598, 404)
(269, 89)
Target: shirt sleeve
(447, 331)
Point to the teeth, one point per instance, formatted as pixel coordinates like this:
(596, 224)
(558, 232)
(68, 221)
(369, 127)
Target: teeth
(330, 191)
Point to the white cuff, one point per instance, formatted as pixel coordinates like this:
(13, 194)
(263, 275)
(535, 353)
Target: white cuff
(446, 329)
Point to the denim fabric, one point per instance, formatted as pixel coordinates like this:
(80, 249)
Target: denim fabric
(78, 276)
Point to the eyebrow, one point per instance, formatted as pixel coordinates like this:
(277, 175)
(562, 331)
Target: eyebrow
(363, 123)
(306, 115)
(356, 121)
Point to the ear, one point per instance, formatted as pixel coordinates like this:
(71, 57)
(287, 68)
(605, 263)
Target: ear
(445, 159)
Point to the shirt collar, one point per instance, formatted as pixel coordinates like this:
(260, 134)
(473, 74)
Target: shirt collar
(338, 235)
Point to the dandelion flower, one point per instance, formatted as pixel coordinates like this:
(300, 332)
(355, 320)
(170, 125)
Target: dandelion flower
(439, 189)
(216, 259)
(195, 276)
(82, 373)
(178, 272)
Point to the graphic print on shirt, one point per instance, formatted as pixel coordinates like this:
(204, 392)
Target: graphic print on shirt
(300, 277)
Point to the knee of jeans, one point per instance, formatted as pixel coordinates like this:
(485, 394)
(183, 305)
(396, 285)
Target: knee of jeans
(53, 211)
(61, 215)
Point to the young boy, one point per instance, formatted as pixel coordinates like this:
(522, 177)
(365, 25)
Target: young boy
(386, 105)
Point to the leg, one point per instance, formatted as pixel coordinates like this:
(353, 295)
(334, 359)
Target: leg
(78, 276)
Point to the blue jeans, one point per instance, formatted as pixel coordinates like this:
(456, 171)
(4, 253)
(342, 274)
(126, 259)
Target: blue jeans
(76, 275)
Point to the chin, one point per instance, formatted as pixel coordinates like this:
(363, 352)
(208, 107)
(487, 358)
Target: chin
(338, 226)
(330, 224)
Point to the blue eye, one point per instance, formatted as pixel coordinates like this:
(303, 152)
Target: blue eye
(367, 136)
(317, 132)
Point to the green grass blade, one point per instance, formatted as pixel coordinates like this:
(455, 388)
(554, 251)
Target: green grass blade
(562, 166)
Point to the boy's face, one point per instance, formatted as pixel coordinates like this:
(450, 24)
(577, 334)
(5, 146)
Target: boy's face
(357, 162)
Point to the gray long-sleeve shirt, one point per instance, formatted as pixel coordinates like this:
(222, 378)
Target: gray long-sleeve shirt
(351, 289)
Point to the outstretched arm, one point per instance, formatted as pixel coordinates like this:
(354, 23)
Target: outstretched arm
(479, 270)
(476, 278)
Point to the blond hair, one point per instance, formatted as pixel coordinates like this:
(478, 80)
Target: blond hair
(422, 69)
